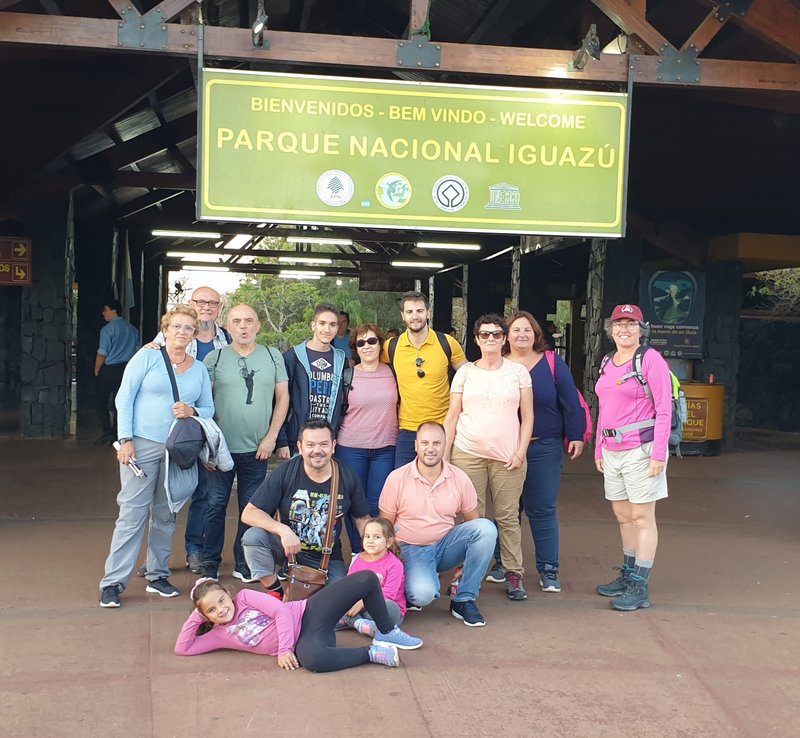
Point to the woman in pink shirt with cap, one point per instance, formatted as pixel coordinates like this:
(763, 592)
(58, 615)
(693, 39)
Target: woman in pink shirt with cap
(633, 427)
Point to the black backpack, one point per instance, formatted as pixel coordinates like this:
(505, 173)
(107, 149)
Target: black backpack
(443, 342)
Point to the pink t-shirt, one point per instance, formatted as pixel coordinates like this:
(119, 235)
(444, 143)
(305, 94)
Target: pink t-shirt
(626, 402)
(488, 425)
(424, 513)
(262, 624)
(371, 419)
(391, 574)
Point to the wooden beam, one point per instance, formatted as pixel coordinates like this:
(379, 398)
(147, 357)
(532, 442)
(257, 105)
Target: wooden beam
(633, 23)
(702, 35)
(672, 237)
(349, 51)
(153, 181)
(776, 22)
(170, 8)
(418, 15)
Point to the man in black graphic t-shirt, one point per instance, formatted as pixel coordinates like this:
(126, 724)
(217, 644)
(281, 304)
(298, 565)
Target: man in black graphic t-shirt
(315, 371)
(300, 491)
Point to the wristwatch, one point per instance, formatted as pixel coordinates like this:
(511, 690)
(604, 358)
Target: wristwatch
(120, 441)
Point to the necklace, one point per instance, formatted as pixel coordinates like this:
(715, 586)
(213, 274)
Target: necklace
(175, 364)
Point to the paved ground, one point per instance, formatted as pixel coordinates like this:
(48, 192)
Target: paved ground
(718, 653)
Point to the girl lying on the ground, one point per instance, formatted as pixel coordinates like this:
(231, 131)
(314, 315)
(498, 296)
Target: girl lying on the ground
(260, 623)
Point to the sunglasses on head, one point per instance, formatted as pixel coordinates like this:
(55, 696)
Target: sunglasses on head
(371, 341)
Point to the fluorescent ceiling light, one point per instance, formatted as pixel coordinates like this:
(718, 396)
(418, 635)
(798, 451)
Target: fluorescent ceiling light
(452, 246)
(183, 255)
(499, 253)
(187, 234)
(205, 269)
(418, 264)
(322, 241)
(299, 275)
(302, 272)
(303, 260)
(239, 240)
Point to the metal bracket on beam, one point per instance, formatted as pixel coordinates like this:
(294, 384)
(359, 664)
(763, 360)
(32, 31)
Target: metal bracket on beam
(679, 66)
(147, 31)
(419, 53)
(727, 8)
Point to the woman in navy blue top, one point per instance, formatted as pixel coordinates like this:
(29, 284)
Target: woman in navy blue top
(557, 414)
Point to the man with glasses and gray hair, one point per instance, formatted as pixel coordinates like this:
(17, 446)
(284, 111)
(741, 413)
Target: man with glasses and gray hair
(247, 380)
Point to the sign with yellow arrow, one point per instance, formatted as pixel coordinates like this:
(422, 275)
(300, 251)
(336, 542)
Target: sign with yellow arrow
(15, 262)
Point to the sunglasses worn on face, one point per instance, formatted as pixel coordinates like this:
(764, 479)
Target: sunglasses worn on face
(361, 342)
(484, 335)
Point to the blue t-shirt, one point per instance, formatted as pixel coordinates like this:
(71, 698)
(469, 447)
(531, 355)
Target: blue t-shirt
(343, 343)
(320, 384)
(119, 341)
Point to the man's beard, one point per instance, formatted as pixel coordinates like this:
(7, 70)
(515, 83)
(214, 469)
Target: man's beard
(207, 325)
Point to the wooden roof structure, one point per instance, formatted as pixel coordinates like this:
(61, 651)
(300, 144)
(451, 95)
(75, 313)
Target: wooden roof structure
(100, 97)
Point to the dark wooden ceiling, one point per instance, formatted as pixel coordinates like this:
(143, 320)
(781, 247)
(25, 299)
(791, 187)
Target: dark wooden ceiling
(119, 128)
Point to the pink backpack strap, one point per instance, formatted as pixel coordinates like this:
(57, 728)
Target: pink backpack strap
(551, 362)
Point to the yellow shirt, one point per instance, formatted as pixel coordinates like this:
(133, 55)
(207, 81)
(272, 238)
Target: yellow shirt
(428, 397)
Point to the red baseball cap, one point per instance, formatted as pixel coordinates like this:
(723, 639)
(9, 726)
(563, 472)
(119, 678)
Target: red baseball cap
(627, 312)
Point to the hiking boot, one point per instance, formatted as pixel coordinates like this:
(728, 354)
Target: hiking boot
(193, 563)
(397, 638)
(636, 595)
(386, 655)
(242, 571)
(496, 574)
(619, 585)
(109, 597)
(468, 612)
(548, 579)
(162, 587)
(514, 589)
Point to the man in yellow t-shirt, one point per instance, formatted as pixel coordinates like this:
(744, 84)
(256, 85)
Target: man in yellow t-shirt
(421, 365)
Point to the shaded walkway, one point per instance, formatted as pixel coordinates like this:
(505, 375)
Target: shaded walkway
(718, 653)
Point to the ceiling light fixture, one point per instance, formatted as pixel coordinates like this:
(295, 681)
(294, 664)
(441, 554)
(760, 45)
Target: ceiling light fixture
(451, 246)
(186, 234)
(499, 253)
(418, 264)
(320, 241)
(239, 240)
(303, 260)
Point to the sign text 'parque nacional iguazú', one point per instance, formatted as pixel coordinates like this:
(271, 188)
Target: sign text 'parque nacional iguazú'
(376, 153)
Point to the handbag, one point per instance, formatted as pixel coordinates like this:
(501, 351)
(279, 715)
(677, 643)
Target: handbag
(186, 436)
(303, 581)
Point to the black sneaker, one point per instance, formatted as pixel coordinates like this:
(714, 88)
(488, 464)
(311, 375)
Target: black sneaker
(514, 589)
(548, 579)
(468, 612)
(281, 573)
(162, 587)
(412, 608)
(211, 572)
(618, 586)
(497, 574)
(242, 571)
(193, 563)
(109, 597)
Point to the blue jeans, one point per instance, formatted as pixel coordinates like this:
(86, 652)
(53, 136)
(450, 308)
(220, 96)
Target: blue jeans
(249, 473)
(404, 451)
(372, 467)
(196, 517)
(540, 497)
(471, 543)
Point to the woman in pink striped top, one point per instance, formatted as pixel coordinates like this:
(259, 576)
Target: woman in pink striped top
(368, 433)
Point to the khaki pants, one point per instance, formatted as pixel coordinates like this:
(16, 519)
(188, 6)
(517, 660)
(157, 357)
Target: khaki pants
(505, 488)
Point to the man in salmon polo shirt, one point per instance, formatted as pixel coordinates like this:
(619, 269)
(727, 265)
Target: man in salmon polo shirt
(422, 500)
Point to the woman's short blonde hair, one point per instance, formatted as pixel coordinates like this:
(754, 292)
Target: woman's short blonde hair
(178, 310)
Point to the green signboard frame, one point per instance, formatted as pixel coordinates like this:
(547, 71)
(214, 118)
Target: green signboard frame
(282, 148)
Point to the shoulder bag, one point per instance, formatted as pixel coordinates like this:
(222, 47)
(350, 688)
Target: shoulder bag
(186, 436)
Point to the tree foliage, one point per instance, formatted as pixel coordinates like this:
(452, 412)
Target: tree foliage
(781, 288)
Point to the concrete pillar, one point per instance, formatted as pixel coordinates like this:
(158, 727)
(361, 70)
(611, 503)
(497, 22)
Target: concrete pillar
(47, 322)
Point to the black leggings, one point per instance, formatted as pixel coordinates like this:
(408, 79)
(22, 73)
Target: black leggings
(316, 647)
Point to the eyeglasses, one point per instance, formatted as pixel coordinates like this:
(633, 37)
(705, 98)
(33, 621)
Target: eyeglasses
(203, 303)
(484, 335)
(419, 362)
(244, 372)
(179, 328)
(361, 342)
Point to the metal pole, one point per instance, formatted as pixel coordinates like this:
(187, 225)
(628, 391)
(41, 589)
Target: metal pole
(516, 261)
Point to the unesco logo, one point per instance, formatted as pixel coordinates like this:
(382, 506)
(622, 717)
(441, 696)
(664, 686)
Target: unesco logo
(450, 193)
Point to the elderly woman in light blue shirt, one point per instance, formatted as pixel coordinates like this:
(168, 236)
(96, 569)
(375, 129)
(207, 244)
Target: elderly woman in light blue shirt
(145, 412)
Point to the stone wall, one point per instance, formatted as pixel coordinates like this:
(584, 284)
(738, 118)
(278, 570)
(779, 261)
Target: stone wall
(10, 304)
(46, 324)
(768, 382)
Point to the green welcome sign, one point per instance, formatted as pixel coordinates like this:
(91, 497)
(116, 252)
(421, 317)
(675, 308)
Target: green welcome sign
(410, 155)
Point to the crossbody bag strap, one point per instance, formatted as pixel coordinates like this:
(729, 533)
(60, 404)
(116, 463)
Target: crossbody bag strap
(171, 373)
(326, 547)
